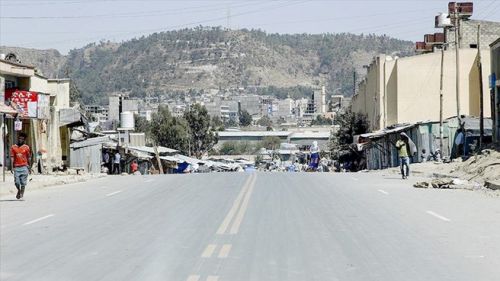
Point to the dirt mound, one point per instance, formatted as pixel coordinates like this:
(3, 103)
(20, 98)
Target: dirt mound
(481, 167)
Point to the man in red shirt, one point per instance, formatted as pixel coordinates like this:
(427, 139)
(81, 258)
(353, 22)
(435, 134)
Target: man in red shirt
(20, 159)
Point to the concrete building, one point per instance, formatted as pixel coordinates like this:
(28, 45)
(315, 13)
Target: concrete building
(495, 89)
(406, 90)
(319, 98)
(468, 33)
(250, 103)
(285, 108)
(42, 108)
(127, 104)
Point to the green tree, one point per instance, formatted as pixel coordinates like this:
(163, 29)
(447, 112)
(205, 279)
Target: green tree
(202, 135)
(170, 131)
(236, 148)
(320, 120)
(270, 142)
(217, 123)
(245, 118)
(265, 121)
(230, 123)
(350, 124)
(142, 125)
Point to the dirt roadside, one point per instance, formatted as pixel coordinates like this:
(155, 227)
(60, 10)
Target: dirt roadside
(480, 173)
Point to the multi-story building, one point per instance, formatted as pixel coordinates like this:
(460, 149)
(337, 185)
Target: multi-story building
(406, 90)
(250, 103)
(401, 90)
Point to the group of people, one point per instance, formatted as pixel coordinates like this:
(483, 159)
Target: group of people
(113, 162)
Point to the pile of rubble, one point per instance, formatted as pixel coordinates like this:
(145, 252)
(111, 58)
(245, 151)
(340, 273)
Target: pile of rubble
(474, 173)
(480, 168)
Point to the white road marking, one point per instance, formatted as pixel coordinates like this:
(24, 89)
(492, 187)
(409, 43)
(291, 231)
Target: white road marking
(474, 257)
(39, 219)
(224, 251)
(209, 250)
(225, 223)
(150, 180)
(383, 191)
(438, 216)
(356, 179)
(113, 193)
(193, 278)
(243, 209)
(212, 278)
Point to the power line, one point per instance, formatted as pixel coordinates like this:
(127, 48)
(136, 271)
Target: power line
(267, 8)
(345, 18)
(153, 13)
(492, 11)
(484, 10)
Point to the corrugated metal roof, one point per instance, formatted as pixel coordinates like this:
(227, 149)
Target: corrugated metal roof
(188, 159)
(7, 109)
(310, 135)
(254, 134)
(89, 142)
(171, 159)
(151, 150)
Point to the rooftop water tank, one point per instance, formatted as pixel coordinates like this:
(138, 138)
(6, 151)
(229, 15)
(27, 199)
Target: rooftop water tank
(442, 21)
(127, 120)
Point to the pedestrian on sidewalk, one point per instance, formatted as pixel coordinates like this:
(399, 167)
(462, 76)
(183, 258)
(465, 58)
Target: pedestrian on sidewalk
(116, 163)
(20, 159)
(406, 148)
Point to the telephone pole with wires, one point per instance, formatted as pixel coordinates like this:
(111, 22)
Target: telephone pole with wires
(481, 99)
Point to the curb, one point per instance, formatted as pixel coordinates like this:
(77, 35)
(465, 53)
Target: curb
(12, 190)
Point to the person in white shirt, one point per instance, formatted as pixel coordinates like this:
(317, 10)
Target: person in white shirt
(116, 163)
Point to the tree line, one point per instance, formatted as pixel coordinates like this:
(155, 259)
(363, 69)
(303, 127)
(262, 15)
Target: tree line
(193, 133)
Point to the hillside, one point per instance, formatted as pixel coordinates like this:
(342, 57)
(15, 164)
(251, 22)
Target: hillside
(213, 58)
(48, 62)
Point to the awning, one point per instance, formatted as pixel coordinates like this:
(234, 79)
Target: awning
(7, 109)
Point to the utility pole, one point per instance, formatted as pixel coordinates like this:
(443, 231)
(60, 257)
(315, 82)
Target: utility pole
(457, 58)
(441, 135)
(354, 83)
(481, 102)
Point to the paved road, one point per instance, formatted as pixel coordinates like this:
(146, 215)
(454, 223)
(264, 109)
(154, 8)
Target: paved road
(261, 226)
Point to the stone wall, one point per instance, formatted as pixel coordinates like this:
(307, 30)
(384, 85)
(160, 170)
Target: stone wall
(490, 31)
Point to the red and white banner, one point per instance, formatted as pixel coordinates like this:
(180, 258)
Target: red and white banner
(25, 102)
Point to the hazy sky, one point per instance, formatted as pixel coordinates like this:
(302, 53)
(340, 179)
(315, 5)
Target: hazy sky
(68, 24)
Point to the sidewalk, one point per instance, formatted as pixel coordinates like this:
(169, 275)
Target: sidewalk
(481, 172)
(41, 181)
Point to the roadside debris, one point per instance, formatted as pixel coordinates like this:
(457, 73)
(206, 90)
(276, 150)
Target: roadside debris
(435, 183)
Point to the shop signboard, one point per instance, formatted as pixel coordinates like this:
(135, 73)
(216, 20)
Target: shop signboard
(25, 102)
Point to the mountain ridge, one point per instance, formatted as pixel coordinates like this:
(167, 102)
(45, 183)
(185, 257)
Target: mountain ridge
(203, 58)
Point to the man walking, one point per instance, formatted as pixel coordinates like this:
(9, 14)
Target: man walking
(20, 159)
(403, 151)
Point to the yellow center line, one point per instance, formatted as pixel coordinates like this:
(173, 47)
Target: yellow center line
(224, 251)
(225, 223)
(209, 250)
(193, 278)
(243, 209)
